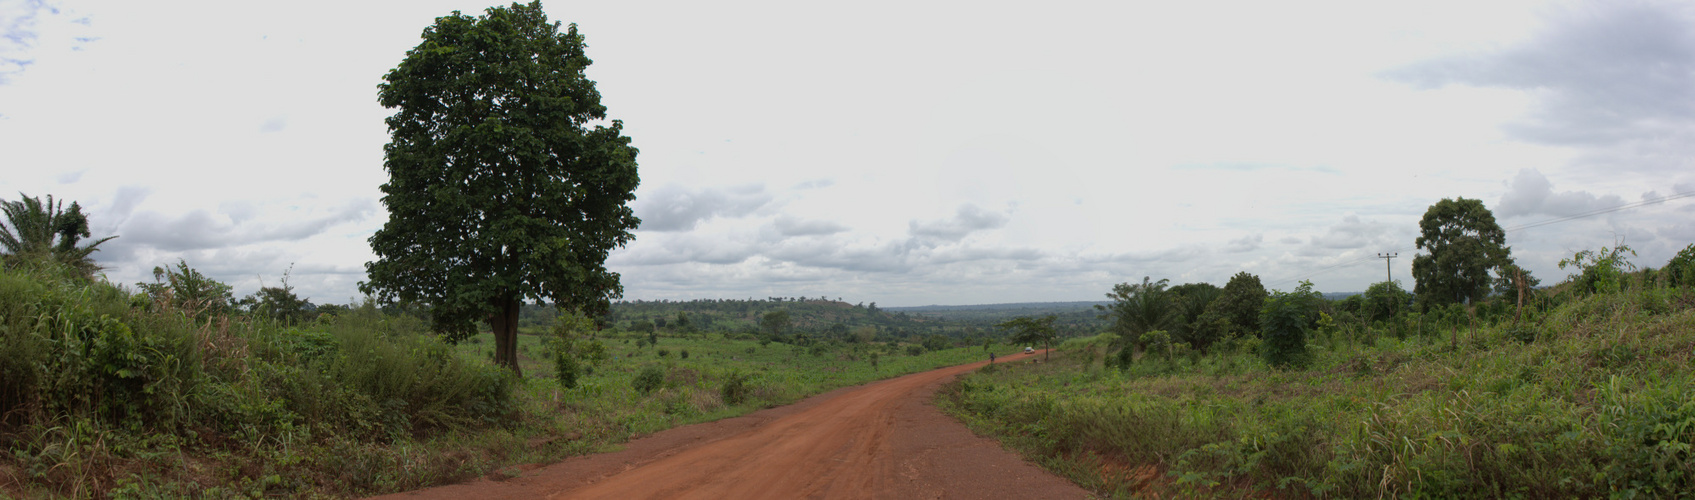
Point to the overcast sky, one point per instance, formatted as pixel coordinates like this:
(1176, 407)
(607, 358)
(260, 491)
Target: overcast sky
(906, 153)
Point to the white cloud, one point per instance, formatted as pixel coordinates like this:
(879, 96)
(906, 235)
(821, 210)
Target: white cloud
(940, 161)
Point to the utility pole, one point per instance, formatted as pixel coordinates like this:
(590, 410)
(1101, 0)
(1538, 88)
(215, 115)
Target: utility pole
(1386, 268)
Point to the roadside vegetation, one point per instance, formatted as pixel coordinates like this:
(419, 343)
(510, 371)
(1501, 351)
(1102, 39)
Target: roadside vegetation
(1583, 389)
(106, 391)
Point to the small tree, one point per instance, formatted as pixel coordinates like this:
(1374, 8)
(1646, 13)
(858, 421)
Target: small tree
(1284, 322)
(648, 380)
(1383, 301)
(571, 347)
(1138, 309)
(1240, 303)
(185, 289)
(1600, 272)
(1680, 271)
(1027, 330)
(775, 324)
(36, 231)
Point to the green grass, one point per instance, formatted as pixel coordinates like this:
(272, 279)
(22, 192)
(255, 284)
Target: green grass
(1600, 403)
(106, 394)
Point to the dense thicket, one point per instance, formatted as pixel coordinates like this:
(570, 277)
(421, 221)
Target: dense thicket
(87, 362)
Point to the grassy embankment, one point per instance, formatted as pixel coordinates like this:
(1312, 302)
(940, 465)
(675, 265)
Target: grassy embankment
(108, 393)
(1596, 400)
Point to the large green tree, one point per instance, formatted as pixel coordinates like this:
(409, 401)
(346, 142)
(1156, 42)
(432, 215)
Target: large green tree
(503, 188)
(1030, 330)
(46, 231)
(1462, 243)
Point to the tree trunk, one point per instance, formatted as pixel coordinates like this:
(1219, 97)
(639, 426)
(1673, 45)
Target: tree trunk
(505, 326)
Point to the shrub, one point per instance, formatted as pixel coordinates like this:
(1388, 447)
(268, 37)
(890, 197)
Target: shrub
(1158, 341)
(1284, 321)
(734, 389)
(567, 368)
(1600, 272)
(1681, 270)
(648, 380)
(914, 350)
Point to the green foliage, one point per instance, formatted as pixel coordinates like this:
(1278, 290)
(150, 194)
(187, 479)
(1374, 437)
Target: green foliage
(1463, 243)
(567, 369)
(1138, 308)
(1600, 272)
(186, 290)
(499, 191)
(1187, 318)
(1029, 331)
(937, 342)
(649, 380)
(571, 347)
(1284, 322)
(1158, 341)
(1680, 271)
(1240, 304)
(775, 324)
(134, 380)
(1590, 398)
(1383, 301)
(279, 303)
(735, 388)
(914, 350)
(36, 231)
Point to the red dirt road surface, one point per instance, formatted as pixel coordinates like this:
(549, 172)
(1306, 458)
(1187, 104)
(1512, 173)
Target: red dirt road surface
(880, 440)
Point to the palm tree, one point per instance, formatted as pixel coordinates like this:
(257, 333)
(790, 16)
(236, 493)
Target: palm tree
(31, 228)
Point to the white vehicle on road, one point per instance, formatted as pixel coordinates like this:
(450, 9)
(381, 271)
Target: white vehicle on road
(1028, 350)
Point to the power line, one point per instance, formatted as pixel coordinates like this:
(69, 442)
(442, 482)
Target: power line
(1592, 213)
(1601, 211)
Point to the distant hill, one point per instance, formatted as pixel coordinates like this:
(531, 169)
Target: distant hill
(1012, 305)
(823, 317)
(1075, 317)
(1334, 296)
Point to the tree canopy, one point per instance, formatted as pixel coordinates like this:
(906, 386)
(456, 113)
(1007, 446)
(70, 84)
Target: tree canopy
(1138, 308)
(1027, 330)
(1240, 303)
(1463, 243)
(502, 188)
(38, 231)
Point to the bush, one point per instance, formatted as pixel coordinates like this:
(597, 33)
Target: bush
(648, 380)
(734, 390)
(914, 350)
(1284, 322)
(567, 368)
(1680, 271)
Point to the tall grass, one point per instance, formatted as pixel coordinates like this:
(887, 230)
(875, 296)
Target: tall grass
(105, 393)
(1599, 402)
(96, 381)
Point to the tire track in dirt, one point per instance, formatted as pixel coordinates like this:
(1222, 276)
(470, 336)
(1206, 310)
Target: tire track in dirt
(880, 440)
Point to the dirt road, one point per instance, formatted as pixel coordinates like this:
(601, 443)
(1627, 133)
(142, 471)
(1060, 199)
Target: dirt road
(879, 440)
